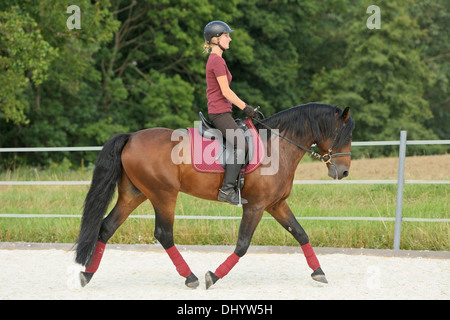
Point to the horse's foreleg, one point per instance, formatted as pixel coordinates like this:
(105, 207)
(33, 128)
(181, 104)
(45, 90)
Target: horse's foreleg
(249, 222)
(283, 214)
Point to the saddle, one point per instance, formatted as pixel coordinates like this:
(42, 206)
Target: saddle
(209, 131)
(210, 153)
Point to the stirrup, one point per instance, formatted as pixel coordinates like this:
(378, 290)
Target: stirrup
(240, 198)
(228, 197)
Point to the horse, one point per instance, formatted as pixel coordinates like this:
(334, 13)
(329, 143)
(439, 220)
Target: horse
(140, 166)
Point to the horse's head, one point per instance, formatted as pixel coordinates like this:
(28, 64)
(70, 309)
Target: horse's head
(336, 149)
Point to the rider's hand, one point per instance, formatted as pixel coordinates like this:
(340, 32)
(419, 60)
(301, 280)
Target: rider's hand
(249, 111)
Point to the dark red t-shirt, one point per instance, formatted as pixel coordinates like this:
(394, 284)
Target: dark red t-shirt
(216, 67)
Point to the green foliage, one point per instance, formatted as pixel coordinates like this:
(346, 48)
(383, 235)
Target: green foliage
(382, 79)
(138, 64)
(25, 59)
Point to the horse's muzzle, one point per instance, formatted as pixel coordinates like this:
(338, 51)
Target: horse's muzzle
(338, 171)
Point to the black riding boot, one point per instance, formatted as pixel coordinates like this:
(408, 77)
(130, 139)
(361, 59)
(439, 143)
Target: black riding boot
(228, 193)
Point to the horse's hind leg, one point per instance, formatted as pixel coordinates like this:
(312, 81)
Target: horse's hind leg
(164, 205)
(129, 199)
(283, 214)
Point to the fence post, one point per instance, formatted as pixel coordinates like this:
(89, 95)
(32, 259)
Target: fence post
(400, 183)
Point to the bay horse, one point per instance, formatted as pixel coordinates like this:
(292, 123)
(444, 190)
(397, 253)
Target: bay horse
(140, 166)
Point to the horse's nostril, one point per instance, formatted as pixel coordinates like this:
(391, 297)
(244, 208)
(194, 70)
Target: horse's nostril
(345, 174)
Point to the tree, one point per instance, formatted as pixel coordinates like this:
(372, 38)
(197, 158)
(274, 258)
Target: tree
(48, 76)
(139, 64)
(434, 47)
(382, 76)
(25, 58)
(153, 70)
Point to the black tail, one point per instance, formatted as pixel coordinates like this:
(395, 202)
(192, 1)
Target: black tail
(107, 173)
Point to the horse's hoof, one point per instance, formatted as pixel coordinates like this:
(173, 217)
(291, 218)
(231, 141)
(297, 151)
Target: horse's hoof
(85, 277)
(191, 281)
(319, 275)
(210, 279)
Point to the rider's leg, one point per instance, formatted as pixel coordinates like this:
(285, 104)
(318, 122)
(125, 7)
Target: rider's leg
(235, 138)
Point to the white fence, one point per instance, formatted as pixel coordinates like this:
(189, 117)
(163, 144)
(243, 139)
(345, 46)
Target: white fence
(402, 143)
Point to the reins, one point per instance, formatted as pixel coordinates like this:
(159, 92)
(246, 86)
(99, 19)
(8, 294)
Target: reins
(324, 158)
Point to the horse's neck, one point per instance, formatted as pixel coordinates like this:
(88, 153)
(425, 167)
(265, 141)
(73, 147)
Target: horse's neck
(295, 154)
(289, 155)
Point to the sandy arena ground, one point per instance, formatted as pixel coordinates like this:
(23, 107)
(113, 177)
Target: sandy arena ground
(149, 274)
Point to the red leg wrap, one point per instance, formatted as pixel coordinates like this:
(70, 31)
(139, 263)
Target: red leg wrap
(310, 256)
(228, 264)
(181, 265)
(97, 257)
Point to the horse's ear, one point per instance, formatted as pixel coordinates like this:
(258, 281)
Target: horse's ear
(346, 114)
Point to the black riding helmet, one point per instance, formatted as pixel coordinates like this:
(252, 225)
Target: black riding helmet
(215, 29)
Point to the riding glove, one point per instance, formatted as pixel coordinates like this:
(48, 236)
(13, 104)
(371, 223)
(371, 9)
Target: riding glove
(249, 111)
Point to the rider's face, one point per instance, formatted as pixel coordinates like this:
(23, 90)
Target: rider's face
(225, 40)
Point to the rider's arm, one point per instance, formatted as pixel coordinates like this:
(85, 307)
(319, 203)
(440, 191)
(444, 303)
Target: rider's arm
(228, 93)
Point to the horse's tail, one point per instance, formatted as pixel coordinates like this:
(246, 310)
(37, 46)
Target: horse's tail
(107, 173)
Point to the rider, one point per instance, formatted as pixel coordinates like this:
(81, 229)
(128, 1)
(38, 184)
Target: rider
(220, 99)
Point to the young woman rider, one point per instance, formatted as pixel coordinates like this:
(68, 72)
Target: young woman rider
(220, 100)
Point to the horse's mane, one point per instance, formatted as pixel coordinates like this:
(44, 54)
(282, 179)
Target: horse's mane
(312, 119)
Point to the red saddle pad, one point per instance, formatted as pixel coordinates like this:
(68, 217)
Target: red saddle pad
(204, 151)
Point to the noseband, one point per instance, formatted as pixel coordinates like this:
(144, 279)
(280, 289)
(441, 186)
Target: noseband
(327, 158)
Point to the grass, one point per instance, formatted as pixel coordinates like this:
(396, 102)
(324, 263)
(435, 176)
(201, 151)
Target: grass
(420, 201)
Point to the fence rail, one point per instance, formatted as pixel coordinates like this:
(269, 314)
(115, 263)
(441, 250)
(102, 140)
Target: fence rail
(402, 143)
(185, 217)
(295, 182)
(354, 144)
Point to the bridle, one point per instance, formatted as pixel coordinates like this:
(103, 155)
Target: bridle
(326, 158)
